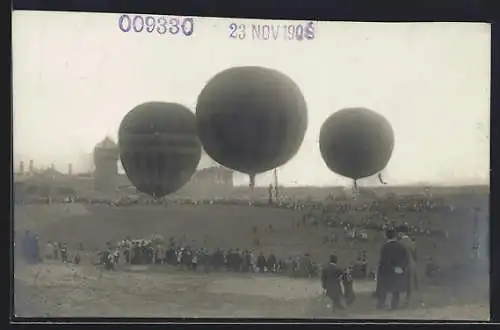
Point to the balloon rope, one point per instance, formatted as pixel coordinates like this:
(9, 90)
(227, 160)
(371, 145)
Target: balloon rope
(252, 186)
(276, 191)
(252, 181)
(355, 188)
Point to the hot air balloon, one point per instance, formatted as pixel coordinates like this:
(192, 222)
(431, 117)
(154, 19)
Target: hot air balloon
(356, 142)
(251, 119)
(159, 148)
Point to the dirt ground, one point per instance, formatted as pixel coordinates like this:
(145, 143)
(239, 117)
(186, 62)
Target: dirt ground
(61, 290)
(55, 289)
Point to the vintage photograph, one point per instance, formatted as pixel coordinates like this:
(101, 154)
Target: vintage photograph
(174, 166)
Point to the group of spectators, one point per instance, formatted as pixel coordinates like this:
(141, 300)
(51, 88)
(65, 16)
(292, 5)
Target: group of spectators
(387, 204)
(396, 274)
(151, 251)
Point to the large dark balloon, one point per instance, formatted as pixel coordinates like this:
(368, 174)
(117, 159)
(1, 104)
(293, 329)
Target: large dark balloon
(251, 119)
(159, 148)
(356, 142)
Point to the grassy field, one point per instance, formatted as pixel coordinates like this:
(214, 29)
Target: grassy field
(53, 289)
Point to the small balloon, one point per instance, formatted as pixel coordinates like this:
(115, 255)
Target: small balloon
(356, 142)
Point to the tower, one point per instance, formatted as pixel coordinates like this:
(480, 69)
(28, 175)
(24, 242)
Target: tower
(106, 165)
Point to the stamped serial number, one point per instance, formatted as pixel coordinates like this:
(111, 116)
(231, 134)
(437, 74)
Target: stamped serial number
(156, 24)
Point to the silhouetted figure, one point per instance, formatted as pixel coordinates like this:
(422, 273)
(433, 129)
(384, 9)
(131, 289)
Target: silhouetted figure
(77, 259)
(411, 273)
(64, 252)
(271, 263)
(330, 282)
(391, 271)
(261, 262)
(348, 284)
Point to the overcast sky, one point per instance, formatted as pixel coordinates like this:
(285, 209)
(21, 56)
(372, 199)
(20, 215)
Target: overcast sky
(76, 75)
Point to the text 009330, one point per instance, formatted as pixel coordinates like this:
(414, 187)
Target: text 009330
(156, 24)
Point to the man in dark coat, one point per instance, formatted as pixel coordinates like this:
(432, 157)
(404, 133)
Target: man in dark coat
(261, 262)
(411, 250)
(246, 262)
(271, 263)
(331, 276)
(391, 271)
(217, 259)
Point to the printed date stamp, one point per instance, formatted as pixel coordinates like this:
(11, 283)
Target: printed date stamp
(298, 31)
(156, 24)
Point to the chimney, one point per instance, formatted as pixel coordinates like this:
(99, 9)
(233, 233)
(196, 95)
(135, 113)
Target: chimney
(31, 167)
(70, 169)
(21, 167)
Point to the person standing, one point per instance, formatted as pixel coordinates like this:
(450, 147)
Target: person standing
(331, 277)
(261, 262)
(77, 259)
(194, 261)
(64, 252)
(411, 273)
(348, 284)
(271, 263)
(391, 277)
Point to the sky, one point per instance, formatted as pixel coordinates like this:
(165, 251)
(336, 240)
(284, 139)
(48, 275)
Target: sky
(76, 75)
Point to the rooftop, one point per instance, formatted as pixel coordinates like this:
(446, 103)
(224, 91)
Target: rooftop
(107, 143)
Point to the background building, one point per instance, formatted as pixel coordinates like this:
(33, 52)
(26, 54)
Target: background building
(106, 156)
(105, 179)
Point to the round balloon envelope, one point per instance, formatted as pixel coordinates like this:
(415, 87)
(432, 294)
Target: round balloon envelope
(159, 148)
(356, 142)
(251, 119)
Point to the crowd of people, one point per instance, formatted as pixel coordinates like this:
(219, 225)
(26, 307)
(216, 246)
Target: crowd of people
(329, 213)
(151, 251)
(156, 252)
(396, 273)
(386, 204)
(360, 230)
(59, 251)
